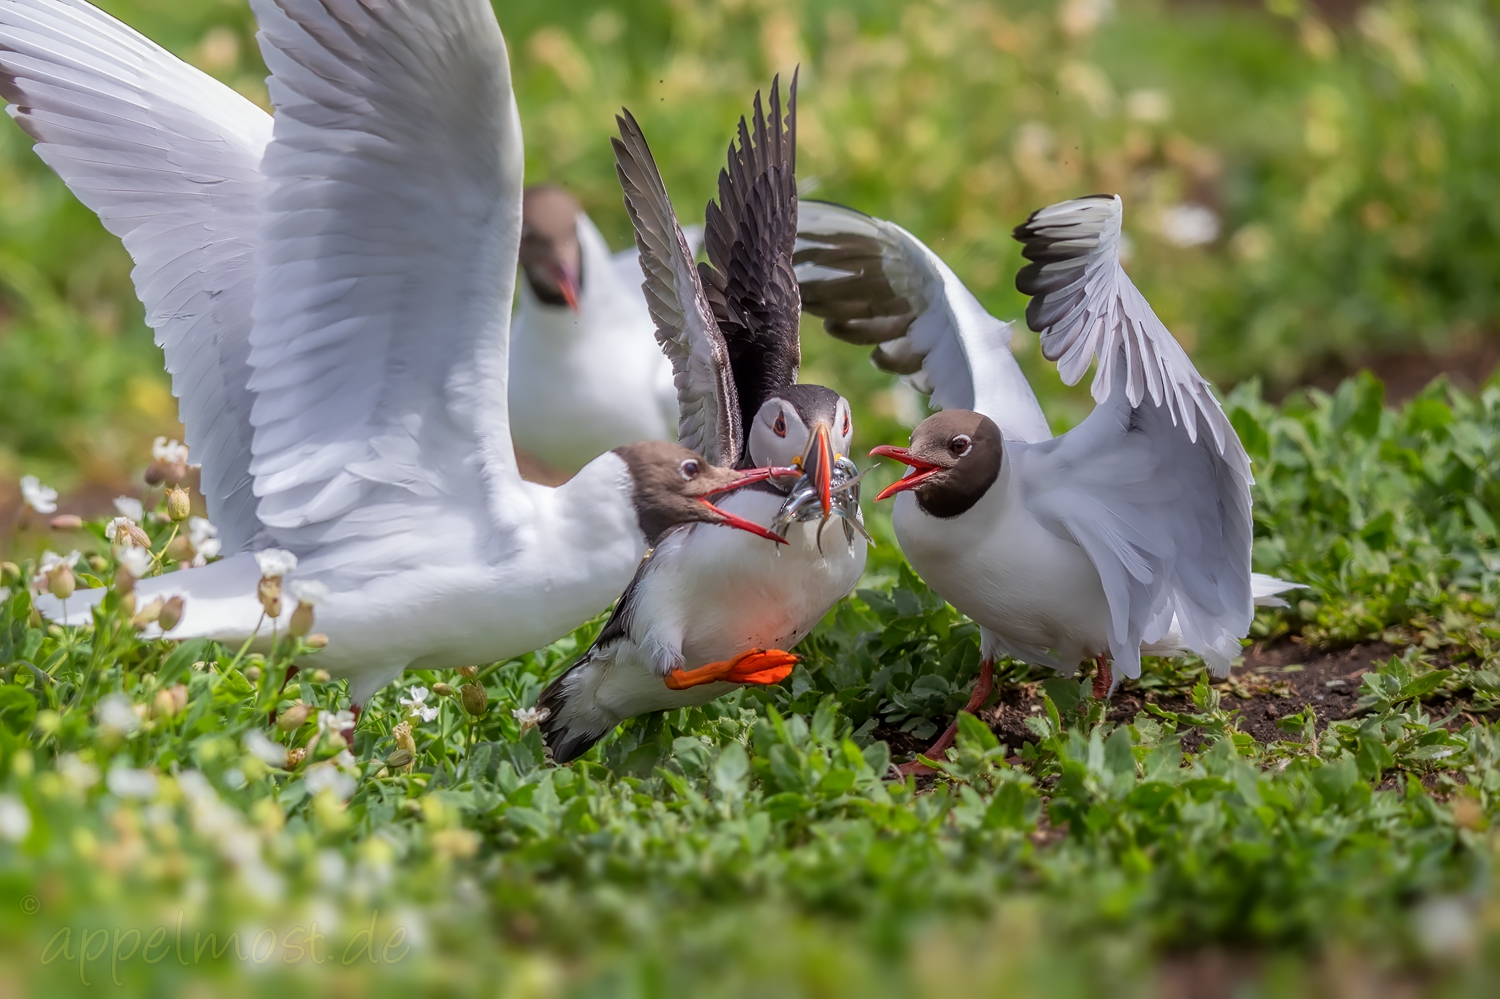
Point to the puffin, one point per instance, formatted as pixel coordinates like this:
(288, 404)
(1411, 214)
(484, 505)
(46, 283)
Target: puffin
(332, 291)
(706, 614)
(1129, 534)
(586, 374)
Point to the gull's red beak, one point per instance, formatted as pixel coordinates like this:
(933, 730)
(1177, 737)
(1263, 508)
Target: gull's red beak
(817, 461)
(920, 469)
(745, 478)
(567, 283)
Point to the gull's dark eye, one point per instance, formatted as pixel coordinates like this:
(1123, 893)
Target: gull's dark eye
(779, 427)
(688, 469)
(960, 445)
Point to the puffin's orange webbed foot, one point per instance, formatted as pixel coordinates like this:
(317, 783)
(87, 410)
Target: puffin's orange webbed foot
(757, 666)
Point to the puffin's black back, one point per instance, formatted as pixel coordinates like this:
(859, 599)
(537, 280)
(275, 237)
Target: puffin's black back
(749, 235)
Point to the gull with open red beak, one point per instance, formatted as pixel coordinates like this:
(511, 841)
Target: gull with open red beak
(586, 374)
(340, 358)
(1129, 534)
(713, 610)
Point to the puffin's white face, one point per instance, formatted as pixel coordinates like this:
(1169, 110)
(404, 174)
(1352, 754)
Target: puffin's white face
(783, 432)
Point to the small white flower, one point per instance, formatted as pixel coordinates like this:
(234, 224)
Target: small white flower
(130, 508)
(115, 712)
(1189, 224)
(416, 704)
(114, 527)
(334, 721)
(15, 818)
(275, 562)
(78, 774)
(531, 717)
(327, 777)
(308, 591)
(42, 499)
(135, 560)
(257, 745)
(204, 537)
(128, 782)
(169, 451)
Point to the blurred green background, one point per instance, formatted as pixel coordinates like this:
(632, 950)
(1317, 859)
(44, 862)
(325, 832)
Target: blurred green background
(1308, 186)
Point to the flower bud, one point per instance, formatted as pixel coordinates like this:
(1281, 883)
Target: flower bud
(98, 563)
(171, 614)
(66, 522)
(443, 690)
(253, 674)
(319, 675)
(302, 619)
(293, 717)
(468, 672)
(317, 641)
(164, 705)
(476, 699)
(127, 603)
(399, 759)
(147, 614)
(10, 574)
(61, 582)
(179, 693)
(403, 737)
(179, 504)
(269, 592)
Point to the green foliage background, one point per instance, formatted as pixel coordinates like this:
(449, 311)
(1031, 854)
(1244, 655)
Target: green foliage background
(755, 846)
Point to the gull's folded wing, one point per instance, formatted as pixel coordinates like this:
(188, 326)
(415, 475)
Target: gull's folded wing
(169, 159)
(875, 284)
(387, 253)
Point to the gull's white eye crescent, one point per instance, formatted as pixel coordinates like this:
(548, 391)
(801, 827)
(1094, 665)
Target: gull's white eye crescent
(960, 445)
(688, 469)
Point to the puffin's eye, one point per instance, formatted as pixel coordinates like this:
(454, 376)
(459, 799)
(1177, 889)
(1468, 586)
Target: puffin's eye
(845, 431)
(779, 427)
(688, 469)
(960, 445)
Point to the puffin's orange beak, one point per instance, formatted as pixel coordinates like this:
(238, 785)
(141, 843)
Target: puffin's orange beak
(745, 478)
(817, 461)
(920, 469)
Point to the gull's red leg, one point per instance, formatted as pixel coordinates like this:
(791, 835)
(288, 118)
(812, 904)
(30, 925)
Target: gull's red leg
(980, 694)
(1103, 678)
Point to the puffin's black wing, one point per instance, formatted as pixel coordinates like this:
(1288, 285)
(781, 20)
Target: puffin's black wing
(750, 234)
(708, 411)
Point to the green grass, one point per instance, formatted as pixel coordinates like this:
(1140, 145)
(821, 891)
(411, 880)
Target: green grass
(757, 846)
(760, 839)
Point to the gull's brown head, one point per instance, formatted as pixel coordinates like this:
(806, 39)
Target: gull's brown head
(954, 458)
(674, 485)
(550, 254)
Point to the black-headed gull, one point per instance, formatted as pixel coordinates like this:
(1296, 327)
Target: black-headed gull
(332, 289)
(1129, 533)
(586, 374)
(704, 612)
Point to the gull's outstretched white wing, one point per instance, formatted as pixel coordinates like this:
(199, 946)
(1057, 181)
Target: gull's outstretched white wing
(169, 159)
(708, 408)
(1154, 484)
(875, 284)
(388, 256)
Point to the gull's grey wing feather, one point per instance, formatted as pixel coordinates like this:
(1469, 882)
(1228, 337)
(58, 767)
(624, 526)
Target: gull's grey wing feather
(708, 407)
(169, 159)
(875, 284)
(387, 250)
(1154, 484)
